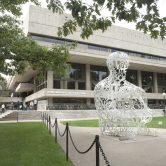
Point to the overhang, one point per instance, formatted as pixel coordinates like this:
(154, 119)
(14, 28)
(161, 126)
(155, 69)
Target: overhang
(24, 77)
(60, 93)
(24, 87)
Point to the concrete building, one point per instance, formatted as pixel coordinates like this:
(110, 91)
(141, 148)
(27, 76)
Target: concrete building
(147, 64)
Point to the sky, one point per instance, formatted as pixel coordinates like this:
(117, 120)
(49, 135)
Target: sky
(161, 5)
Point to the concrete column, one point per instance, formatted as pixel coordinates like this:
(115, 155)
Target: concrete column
(76, 85)
(50, 79)
(65, 84)
(50, 101)
(61, 85)
(139, 78)
(88, 101)
(87, 71)
(155, 82)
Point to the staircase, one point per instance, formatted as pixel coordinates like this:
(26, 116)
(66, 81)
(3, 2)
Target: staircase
(22, 115)
(29, 115)
(9, 117)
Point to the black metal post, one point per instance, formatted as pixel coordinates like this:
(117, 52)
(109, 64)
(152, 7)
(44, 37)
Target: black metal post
(49, 119)
(56, 130)
(67, 141)
(17, 116)
(46, 119)
(42, 116)
(97, 151)
(164, 105)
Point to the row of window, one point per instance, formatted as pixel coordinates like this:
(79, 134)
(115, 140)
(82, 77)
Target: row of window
(77, 79)
(98, 48)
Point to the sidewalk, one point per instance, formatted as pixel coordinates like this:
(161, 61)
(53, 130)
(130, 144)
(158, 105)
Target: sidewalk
(145, 151)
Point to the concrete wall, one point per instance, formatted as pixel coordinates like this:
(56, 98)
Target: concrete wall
(10, 99)
(42, 21)
(67, 93)
(81, 54)
(60, 93)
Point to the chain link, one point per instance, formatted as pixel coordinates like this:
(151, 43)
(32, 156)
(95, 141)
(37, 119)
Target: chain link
(81, 152)
(63, 132)
(104, 156)
(53, 124)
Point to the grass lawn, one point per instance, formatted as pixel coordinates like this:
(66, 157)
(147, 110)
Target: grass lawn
(157, 122)
(29, 144)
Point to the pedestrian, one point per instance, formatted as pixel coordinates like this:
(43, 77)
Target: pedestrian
(3, 108)
(20, 107)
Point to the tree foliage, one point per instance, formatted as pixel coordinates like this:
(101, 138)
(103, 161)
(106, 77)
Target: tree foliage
(3, 83)
(90, 17)
(18, 52)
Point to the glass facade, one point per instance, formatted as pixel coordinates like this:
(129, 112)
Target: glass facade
(47, 39)
(97, 73)
(75, 80)
(97, 47)
(161, 80)
(147, 81)
(131, 76)
(56, 83)
(76, 77)
(40, 82)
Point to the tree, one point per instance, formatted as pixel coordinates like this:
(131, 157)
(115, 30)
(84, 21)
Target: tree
(89, 18)
(18, 52)
(3, 83)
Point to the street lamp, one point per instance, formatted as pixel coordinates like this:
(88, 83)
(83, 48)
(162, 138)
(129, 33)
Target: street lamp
(164, 95)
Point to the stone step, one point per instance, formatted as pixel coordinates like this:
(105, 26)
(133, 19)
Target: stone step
(22, 115)
(11, 116)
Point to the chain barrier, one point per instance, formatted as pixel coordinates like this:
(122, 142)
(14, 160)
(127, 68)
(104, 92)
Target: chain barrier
(53, 124)
(46, 119)
(81, 152)
(104, 156)
(63, 132)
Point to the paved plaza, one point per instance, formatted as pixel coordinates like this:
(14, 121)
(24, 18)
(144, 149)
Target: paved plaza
(145, 151)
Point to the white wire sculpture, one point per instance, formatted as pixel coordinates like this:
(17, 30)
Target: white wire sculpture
(122, 106)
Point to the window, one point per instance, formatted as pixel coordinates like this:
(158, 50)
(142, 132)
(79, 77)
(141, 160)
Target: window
(77, 72)
(56, 84)
(81, 85)
(41, 81)
(76, 79)
(147, 81)
(131, 76)
(161, 80)
(98, 48)
(71, 85)
(97, 73)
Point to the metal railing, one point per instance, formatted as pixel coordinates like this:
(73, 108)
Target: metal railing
(70, 106)
(96, 142)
